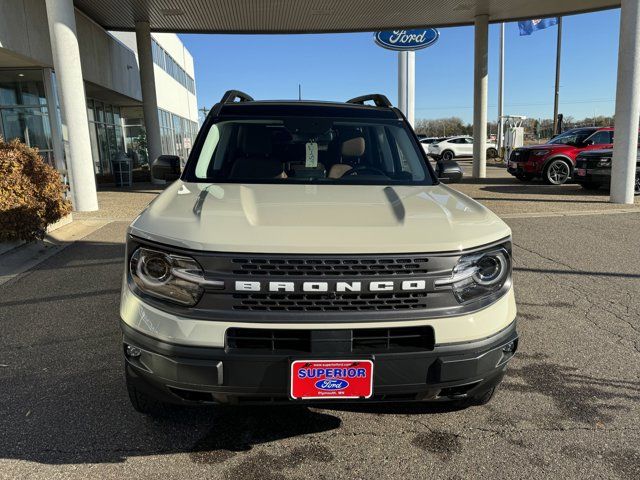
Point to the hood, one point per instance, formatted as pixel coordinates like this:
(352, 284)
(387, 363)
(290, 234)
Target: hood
(328, 219)
(545, 146)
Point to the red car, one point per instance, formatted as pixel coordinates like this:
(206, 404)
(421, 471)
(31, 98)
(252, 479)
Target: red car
(554, 161)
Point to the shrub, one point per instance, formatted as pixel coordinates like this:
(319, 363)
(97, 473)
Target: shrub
(32, 195)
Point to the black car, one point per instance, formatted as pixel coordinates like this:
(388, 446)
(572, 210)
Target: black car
(593, 170)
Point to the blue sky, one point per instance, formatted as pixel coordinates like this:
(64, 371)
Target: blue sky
(341, 66)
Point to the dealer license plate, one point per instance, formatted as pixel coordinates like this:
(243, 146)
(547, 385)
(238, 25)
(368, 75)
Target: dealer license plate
(331, 379)
(582, 172)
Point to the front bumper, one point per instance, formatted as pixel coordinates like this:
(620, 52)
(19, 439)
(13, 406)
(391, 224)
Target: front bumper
(599, 176)
(520, 168)
(194, 375)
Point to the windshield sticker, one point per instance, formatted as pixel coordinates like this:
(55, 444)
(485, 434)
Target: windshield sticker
(311, 160)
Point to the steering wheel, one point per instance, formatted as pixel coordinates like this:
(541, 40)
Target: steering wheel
(364, 170)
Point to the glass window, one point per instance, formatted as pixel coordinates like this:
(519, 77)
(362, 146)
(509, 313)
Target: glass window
(116, 116)
(603, 137)
(99, 112)
(575, 136)
(108, 113)
(309, 150)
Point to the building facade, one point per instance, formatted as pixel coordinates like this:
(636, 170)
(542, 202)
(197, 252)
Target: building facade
(29, 95)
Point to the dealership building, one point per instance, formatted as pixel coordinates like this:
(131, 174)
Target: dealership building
(115, 116)
(63, 47)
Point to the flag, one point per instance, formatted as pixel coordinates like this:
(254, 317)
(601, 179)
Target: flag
(529, 26)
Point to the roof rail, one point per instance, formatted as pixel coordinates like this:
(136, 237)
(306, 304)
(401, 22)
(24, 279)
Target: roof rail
(230, 96)
(378, 99)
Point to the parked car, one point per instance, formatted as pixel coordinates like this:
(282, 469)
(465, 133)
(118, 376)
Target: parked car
(308, 253)
(460, 146)
(555, 160)
(593, 170)
(426, 141)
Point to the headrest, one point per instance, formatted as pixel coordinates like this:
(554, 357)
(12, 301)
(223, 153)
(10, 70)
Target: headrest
(261, 168)
(256, 140)
(353, 147)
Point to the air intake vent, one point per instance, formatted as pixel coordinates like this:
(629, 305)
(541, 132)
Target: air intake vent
(273, 340)
(393, 339)
(370, 340)
(337, 267)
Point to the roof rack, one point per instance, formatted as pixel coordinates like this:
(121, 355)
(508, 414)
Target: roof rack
(378, 99)
(230, 96)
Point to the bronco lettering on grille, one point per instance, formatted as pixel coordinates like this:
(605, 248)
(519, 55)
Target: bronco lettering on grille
(339, 287)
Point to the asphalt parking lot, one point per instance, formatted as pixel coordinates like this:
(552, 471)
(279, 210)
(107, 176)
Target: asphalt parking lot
(568, 408)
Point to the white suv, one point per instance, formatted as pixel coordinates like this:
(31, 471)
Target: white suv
(461, 146)
(308, 253)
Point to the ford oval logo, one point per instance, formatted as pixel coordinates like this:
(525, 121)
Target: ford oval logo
(407, 39)
(330, 384)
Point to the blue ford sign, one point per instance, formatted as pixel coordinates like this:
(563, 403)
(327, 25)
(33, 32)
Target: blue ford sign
(407, 39)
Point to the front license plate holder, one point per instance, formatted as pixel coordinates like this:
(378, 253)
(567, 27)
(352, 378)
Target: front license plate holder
(331, 379)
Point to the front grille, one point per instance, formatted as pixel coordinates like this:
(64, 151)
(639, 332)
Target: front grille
(519, 155)
(320, 267)
(339, 302)
(369, 340)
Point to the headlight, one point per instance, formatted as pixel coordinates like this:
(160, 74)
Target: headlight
(604, 162)
(479, 274)
(540, 153)
(167, 276)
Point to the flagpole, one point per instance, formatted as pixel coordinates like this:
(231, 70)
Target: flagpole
(557, 90)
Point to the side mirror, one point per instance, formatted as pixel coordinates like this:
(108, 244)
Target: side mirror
(449, 171)
(166, 167)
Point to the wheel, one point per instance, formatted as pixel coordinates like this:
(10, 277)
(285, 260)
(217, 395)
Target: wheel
(557, 172)
(447, 155)
(143, 402)
(492, 153)
(590, 186)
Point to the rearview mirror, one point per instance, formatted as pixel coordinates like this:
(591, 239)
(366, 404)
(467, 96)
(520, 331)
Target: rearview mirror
(166, 167)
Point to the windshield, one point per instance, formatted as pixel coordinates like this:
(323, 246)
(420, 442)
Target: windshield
(308, 150)
(571, 137)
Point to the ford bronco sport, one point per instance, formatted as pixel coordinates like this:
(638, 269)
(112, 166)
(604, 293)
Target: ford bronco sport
(308, 253)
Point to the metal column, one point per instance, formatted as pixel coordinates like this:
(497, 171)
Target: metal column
(480, 78)
(66, 61)
(625, 145)
(148, 85)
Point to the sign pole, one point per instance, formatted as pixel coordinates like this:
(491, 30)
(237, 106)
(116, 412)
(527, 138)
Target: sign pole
(411, 86)
(406, 84)
(500, 138)
(556, 97)
(402, 81)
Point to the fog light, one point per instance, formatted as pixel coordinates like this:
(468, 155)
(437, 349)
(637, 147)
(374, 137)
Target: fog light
(133, 351)
(509, 347)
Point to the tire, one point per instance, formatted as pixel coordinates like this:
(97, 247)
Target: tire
(144, 403)
(447, 155)
(590, 186)
(557, 172)
(492, 153)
